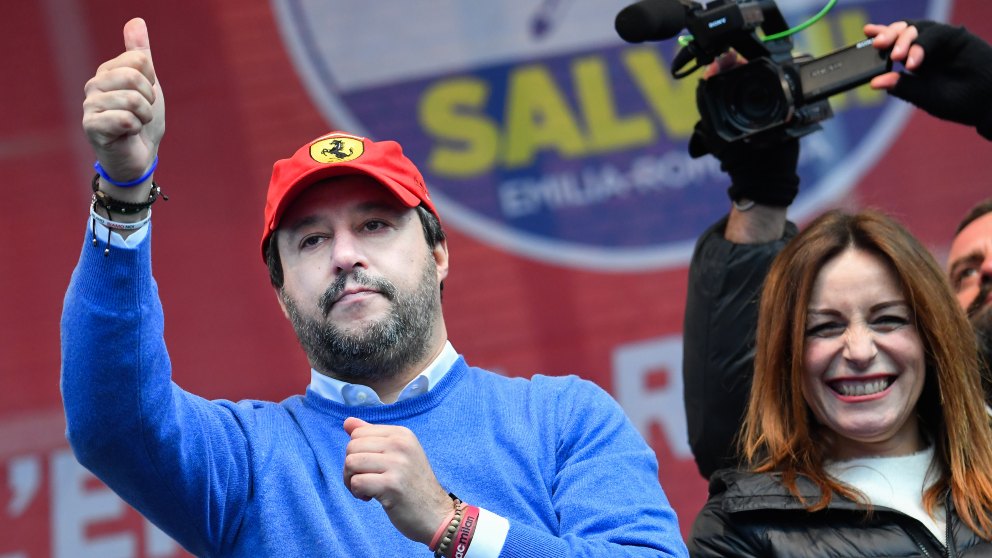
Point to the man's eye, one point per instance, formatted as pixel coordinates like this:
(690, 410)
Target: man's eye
(964, 275)
(311, 241)
(374, 225)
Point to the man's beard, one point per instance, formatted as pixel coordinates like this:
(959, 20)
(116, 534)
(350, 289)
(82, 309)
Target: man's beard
(383, 349)
(980, 315)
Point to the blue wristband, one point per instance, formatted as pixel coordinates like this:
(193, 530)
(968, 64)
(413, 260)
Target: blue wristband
(135, 182)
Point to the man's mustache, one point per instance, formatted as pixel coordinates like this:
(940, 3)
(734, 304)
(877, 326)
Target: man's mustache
(358, 277)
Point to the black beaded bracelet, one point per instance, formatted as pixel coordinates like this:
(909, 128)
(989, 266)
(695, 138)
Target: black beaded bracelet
(124, 208)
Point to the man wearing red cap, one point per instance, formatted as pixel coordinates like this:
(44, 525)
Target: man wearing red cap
(393, 424)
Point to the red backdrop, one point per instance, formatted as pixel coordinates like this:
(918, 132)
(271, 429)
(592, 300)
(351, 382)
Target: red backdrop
(235, 104)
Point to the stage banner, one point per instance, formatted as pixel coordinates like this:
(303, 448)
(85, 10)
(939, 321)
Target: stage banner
(556, 154)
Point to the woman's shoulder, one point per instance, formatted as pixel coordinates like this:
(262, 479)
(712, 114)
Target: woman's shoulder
(740, 491)
(755, 514)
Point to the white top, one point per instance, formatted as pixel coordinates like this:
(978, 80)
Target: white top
(897, 483)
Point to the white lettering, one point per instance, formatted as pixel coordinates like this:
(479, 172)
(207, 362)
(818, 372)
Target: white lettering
(672, 170)
(23, 479)
(598, 184)
(74, 508)
(648, 380)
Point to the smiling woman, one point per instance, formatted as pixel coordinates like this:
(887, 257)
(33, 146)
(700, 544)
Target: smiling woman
(866, 429)
(864, 360)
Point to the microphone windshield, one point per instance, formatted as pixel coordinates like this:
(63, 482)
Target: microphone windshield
(650, 20)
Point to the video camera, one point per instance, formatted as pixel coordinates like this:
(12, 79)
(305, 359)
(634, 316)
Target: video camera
(774, 90)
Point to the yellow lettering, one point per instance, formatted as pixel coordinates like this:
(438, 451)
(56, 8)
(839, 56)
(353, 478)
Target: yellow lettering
(537, 117)
(606, 131)
(673, 101)
(452, 112)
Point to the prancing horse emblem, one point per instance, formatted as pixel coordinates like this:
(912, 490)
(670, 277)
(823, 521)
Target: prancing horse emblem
(336, 149)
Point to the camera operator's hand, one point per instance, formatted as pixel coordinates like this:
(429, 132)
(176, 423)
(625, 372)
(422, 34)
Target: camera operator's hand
(948, 70)
(762, 168)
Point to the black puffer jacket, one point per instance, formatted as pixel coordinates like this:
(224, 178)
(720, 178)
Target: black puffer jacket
(753, 514)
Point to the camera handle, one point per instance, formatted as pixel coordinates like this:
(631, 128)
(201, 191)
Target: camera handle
(687, 54)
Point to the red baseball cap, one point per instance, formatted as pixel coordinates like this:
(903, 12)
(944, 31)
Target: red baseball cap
(337, 154)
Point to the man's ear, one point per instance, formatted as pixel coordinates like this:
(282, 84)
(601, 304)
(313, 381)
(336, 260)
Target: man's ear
(440, 253)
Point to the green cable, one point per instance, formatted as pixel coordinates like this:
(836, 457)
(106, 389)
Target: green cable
(684, 39)
(802, 25)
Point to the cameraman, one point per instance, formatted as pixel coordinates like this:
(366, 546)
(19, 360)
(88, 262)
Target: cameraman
(948, 73)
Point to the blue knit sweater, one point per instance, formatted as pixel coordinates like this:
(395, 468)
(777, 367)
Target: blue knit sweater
(554, 455)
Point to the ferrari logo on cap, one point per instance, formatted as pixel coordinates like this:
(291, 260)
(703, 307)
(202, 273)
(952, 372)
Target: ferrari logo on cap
(336, 150)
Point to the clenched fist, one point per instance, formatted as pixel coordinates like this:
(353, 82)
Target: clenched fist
(387, 463)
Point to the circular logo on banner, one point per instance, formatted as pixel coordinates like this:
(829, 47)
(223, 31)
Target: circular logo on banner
(539, 131)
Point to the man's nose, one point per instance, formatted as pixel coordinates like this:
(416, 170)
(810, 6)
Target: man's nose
(986, 269)
(347, 253)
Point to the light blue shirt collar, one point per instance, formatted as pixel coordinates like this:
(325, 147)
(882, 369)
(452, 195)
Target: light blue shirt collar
(356, 395)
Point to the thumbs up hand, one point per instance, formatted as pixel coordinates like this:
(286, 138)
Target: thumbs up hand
(124, 109)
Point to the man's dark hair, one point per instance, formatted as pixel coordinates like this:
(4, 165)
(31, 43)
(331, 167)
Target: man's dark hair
(433, 233)
(979, 210)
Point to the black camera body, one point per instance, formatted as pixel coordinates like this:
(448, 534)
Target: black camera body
(775, 92)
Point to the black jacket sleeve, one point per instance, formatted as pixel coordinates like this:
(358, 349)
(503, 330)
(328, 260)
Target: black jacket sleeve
(721, 315)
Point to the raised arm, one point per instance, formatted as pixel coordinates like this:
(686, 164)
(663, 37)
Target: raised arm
(947, 70)
(727, 270)
(180, 460)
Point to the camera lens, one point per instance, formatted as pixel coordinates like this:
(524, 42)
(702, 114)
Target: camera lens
(755, 100)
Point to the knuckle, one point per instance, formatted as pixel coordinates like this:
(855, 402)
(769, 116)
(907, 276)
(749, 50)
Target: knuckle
(88, 119)
(352, 461)
(359, 487)
(400, 444)
(132, 79)
(135, 58)
(390, 481)
(135, 102)
(127, 123)
(92, 86)
(89, 105)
